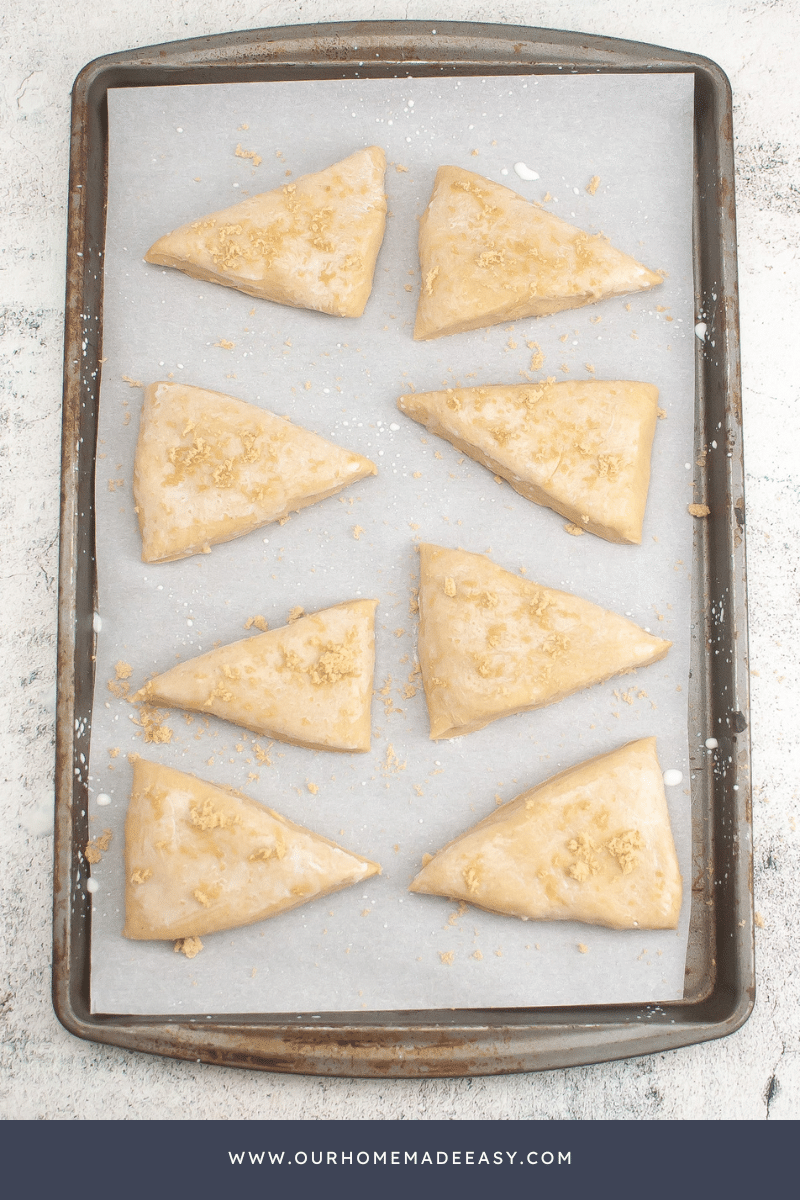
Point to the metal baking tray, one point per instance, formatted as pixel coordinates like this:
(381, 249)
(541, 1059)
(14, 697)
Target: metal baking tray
(719, 989)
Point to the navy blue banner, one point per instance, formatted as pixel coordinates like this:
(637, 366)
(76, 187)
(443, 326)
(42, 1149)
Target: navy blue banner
(317, 1159)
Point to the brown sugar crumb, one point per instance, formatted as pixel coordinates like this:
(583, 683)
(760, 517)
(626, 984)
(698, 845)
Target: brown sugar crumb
(584, 949)
(589, 367)
(447, 956)
(295, 614)
(474, 153)
(251, 154)
(152, 722)
(262, 755)
(95, 849)
(401, 170)
(498, 953)
(537, 358)
(662, 414)
(141, 875)
(477, 955)
(392, 762)
(133, 757)
(593, 185)
(123, 670)
(573, 530)
(420, 792)
(698, 510)
(357, 531)
(365, 912)
(224, 344)
(564, 368)
(624, 847)
(335, 662)
(312, 787)
(759, 920)
(417, 474)
(113, 751)
(113, 484)
(256, 623)
(118, 688)
(413, 603)
(426, 858)
(408, 691)
(131, 382)
(399, 632)
(190, 946)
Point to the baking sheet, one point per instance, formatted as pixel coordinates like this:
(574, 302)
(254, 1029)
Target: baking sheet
(172, 158)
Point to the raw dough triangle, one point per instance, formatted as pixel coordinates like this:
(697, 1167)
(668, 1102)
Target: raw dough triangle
(200, 858)
(309, 683)
(489, 255)
(592, 844)
(492, 644)
(309, 244)
(581, 448)
(210, 468)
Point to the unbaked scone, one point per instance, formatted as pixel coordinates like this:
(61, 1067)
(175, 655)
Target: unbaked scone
(200, 858)
(309, 244)
(210, 468)
(592, 844)
(488, 255)
(309, 683)
(581, 448)
(492, 644)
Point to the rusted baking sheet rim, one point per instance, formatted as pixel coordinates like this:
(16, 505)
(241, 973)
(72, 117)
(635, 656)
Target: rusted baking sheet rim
(720, 967)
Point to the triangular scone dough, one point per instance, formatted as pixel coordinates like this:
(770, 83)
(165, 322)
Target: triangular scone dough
(199, 858)
(210, 468)
(309, 683)
(488, 255)
(592, 844)
(492, 644)
(309, 244)
(581, 448)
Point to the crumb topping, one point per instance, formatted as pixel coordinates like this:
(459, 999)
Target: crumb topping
(141, 875)
(95, 849)
(623, 848)
(586, 863)
(206, 816)
(190, 946)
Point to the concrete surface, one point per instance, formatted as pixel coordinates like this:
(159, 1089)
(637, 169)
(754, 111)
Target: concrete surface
(45, 1073)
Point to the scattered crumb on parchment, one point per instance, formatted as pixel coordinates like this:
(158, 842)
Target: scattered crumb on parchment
(662, 414)
(589, 367)
(152, 721)
(477, 954)
(447, 957)
(564, 368)
(258, 622)
(132, 382)
(224, 344)
(392, 763)
(593, 185)
(583, 948)
(759, 920)
(537, 358)
(295, 614)
(400, 169)
(123, 670)
(190, 946)
(418, 790)
(698, 510)
(251, 154)
(113, 484)
(94, 850)
(357, 531)
(572, 529)
(426, 858)
(312, 787)
(262, 755)
(458, 913)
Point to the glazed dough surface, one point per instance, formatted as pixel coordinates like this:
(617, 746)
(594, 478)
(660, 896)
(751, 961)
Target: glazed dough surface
(581, 448)
(199, 858)
(210, 468)
(592, 844)
(312, 243)
(309, 683)
(492, 643)
(488, 255)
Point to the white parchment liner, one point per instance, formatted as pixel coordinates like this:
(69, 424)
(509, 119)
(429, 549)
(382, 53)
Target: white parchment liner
(172, 159)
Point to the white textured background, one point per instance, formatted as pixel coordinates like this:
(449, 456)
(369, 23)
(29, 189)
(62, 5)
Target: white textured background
(44, 1072)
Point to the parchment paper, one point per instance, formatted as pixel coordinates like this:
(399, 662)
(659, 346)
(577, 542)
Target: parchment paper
(172, 159)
